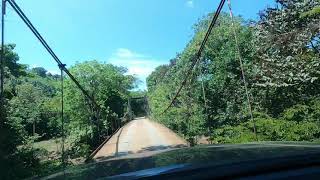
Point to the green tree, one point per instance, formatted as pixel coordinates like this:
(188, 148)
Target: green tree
(280, 55)
(215, 82)
(40, 71)
(25, 107)
(287, 58)
(109, 87)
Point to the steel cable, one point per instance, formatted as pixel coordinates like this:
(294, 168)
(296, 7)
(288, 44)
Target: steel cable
(198, 54)
(21, 14)
(242, 69)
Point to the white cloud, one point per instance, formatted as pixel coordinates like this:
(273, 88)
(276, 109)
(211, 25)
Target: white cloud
(190, 4)
(137, 64)
(34, 65)
(126, 53)
(53, 72)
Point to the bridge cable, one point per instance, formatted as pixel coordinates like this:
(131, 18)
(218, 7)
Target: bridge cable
(21, 14)
(242, 69)
(198, 54)
(203, 88)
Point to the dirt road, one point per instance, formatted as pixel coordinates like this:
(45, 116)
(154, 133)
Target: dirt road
(140, 136)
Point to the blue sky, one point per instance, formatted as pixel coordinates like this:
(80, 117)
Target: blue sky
(137, 34)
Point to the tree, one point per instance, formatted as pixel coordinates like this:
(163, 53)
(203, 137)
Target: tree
(280, 55)
(12, 133)
(287, 59)
(25, 107)
(40, 71)
(109, 87)
(215, 82)
(11, 62)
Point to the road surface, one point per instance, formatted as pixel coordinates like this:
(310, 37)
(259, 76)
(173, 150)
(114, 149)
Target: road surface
(140, 136)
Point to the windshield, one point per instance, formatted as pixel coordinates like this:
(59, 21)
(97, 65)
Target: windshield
(132, 85)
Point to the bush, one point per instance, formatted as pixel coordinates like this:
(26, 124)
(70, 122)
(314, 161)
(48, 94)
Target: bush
(298, 112)
(229, 134)
(268, 130)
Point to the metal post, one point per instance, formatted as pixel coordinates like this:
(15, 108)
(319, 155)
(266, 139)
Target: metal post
(129, 110)
(62, 66)
(147, 106)
(2, 50)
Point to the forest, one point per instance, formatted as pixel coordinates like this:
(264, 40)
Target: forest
(281, 60)
(280, 54)
(32, 123)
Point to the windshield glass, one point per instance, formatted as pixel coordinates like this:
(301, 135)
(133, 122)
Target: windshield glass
(130, 85)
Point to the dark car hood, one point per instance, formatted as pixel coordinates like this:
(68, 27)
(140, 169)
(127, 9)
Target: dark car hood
(213, 154)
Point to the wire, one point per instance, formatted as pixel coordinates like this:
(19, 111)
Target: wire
(33, 29)
(242, 69)
(203, 89)
(18, 10)
(198, 54)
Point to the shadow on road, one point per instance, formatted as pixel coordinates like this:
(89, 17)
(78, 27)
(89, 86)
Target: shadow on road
(144, 152)
(160, 147)
(117, 144)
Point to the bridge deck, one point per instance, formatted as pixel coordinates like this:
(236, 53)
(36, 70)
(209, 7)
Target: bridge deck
(140, 136)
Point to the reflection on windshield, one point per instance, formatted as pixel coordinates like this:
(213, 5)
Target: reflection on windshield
(242, 87)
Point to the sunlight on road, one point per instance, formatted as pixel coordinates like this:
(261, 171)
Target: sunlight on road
(140, 136)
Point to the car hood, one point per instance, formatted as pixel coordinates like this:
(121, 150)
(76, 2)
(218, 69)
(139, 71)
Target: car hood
(213, 154)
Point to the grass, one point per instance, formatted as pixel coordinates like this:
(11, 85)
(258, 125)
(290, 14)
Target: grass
(52, 145)
(52, 148)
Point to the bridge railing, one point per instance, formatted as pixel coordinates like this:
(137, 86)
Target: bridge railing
(126, 118)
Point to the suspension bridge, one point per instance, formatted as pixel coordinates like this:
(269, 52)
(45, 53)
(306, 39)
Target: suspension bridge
(132, 136)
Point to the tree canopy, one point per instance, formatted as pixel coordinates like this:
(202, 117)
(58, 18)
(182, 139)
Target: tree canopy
(281, 62)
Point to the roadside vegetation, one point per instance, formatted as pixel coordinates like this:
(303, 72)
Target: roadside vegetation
(31, 128)
(281, 54)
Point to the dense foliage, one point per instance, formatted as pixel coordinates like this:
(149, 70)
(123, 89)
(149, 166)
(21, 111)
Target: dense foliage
(109, 87)
(31, 114)
(280, 52)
